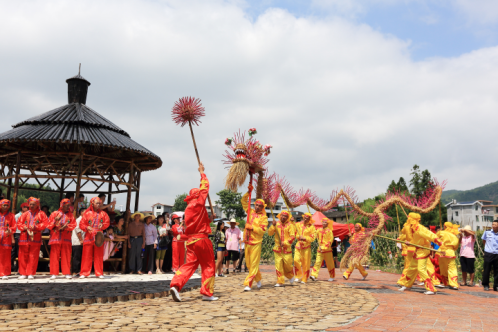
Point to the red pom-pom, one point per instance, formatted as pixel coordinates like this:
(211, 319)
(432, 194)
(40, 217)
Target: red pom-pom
(187, 109)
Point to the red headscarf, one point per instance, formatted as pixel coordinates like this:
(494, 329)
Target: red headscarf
(64, 202)
(34, 199)
(193, 194)
(91, 204)
(4, 201)
(24, 205)
(433, 229)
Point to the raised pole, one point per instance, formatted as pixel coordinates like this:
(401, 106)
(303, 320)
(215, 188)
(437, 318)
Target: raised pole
(61, 191)
(199, 162)
(16, 182)
(397, 217)
(137, 193)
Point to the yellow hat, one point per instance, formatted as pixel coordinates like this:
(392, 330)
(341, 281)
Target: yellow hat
(448, 225)
(413, 218)
(137, 214)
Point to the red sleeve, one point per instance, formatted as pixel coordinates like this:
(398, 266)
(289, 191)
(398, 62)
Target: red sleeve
(51, 220)
(72, 222)
(107, 221)
(173, 229)
(12, 222)
(43, 221)
(20, 222)
(204, 190)
(84, 222)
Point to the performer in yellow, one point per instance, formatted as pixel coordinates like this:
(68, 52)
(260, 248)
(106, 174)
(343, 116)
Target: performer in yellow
(422, 237)
(305, 233)
(447, 256)
(407, 251)
(359, 233)
(285, 233)
(325, 238)
(253, 236)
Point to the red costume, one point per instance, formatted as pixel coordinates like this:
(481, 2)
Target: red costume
(7, 222)
(98, 220)
(60, 240)
(199, 247)
(178, 246)
(29, 246)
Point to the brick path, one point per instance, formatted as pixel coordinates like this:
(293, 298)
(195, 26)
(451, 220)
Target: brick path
(463, 310)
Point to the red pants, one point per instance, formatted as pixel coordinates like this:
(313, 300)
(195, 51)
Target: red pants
(5, 267)
(28, 258)
(178, 255)
(92, 251)
(200, 252)
(62, 252)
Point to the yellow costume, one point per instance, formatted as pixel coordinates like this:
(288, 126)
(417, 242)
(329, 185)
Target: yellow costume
(407, 251)
(447, 263)
(285, 234)
(325, 238)
(357, 236)
(252, 239)
(302, 255)
(418, 265)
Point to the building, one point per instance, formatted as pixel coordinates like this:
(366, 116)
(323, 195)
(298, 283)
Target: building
(340, 216)
(478, 214)
(159, 209)
(217, 211)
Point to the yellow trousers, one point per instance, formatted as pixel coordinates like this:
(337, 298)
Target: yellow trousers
(408, 259)
(302, 262)
(253, 256)
(419, 266)
(449, 272)
(431, 271)
(351, 268)
(329, 260)
(283, 266)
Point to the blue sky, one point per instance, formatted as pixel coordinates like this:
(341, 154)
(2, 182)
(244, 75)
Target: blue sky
(435, 28)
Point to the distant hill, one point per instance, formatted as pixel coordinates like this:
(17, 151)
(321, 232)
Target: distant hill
(488, 192)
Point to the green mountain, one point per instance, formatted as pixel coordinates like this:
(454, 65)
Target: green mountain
(488, 192)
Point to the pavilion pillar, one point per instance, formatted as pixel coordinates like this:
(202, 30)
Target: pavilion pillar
(137, 193)
(61, 191)
(109, 198)
(78, 185)
(16, 182)
(128, 215)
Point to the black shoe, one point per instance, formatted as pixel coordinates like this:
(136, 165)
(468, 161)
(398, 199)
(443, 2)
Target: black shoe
(454, 288)
(495, 289)
(486, 288)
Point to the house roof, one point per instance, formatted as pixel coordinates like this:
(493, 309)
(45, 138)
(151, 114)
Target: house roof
(162, 204)
(337, 214)
(466, 203)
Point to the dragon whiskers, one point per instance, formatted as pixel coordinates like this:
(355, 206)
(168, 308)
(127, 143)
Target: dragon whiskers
(237, 175)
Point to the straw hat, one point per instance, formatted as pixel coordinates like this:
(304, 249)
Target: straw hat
(468, 229)
(149, 215)
(234, 221)
(137, 214)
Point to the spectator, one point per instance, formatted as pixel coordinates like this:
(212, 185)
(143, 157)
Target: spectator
(490, 239)
(150, 243)
(242, 254)
(179, 239)
(70, 196)
(233, 235)
(81, 202)
(219, 240)
(109, 208)
(119, 233)
(45, 209)
(467, 256)
(77, 246)
(336, 250)
(15, 246)
(345, 243)
(136, 231)
(162, 243)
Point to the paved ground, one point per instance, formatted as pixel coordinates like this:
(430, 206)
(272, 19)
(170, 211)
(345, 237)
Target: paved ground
(469, 309)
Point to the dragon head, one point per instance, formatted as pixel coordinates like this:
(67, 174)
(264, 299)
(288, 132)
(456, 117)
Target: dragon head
(244, 156)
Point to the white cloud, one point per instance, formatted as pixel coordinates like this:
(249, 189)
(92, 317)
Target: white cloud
(478, 11)
(341, 103)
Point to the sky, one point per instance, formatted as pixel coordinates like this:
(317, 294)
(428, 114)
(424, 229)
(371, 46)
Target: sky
(348, 92)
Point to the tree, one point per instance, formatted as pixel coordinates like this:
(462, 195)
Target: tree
(393, 187)
(180, 205)
(51, 199)
(230, 204)
(402, 187)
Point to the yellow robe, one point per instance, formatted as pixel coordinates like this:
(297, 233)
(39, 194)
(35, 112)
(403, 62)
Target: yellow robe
(285, 234)
(253, 239)
(407, 252)
(325, 238)
(423, 237)
(302, 254)
(447, 264)
(350, 269)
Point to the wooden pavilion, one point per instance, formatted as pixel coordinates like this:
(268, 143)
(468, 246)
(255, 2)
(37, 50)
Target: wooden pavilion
(74, 145)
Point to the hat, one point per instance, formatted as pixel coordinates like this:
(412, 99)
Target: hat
(468, 229)
(137, 214)
(234, 221)
(175, 216)
(148, 215)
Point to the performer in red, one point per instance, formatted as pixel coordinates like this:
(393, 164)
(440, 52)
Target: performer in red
(178, 244)
(31, 224)
(199, 247)
(94, 220)
(61, 224)
(7, 228)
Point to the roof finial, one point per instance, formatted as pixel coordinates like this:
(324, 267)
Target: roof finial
(79, 70)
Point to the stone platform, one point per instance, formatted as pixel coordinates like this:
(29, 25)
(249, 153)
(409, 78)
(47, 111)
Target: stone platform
(45, 292)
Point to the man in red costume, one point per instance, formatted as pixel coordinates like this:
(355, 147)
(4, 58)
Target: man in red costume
(61, 224)
(31, 224)
(94, 220)
(199, 247)
(7, 228)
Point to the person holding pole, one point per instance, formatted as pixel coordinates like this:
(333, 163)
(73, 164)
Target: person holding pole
(256, 225)
(284, 232)
(359, 233)
(61, 224)
(447, 263)
(7, 228)
(325, 237)
(31, 224)
(305, 234)
(199, 247)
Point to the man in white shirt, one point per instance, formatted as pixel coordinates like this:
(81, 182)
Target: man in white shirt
(242, 253)
(77, 245)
